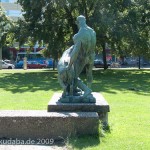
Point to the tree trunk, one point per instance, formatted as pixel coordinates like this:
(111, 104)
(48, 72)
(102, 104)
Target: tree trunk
(139, 64)
(104, 56)
(53, 64)
(0, 58)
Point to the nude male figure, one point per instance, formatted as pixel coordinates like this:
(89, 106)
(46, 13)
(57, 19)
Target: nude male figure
(83, 54)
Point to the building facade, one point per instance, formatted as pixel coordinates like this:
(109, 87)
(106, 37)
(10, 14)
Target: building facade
(11, 8)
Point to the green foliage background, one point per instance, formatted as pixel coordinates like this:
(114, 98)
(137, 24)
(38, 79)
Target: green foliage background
(123, 24)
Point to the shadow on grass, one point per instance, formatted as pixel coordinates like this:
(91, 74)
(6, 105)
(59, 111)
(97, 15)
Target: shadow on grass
(109, 81)
(29, 81)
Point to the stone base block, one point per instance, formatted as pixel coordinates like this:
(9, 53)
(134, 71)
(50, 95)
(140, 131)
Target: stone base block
(77, 99)
(101, 106)
(41, 124)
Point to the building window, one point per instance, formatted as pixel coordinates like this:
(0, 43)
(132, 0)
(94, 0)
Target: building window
(8, 1)
(4, 0)
(14, 13)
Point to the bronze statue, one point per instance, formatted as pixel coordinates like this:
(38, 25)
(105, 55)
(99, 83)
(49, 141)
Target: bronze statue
(74, 60)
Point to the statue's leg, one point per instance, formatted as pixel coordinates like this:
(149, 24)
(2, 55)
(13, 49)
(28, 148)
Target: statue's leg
(83, 87)
(76, 90)
(89, 75)
(71, 88)
(78, 67)
(60, 79)
(64, 93)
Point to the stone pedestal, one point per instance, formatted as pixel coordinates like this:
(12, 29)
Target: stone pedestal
(101, 106)
(60, 121)
(40, 125)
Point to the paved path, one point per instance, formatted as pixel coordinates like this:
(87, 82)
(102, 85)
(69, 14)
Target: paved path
(32, 147)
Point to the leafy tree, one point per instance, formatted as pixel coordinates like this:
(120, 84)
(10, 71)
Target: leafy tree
(23, 34)
(123, 24)
(5, 25)
(138, 35)
(53, 22)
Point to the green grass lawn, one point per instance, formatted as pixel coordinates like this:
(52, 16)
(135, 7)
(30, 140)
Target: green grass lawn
(27, 89)
(127, 92)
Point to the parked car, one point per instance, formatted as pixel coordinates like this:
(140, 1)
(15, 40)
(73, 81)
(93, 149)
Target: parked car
(7, 65)
(36, 65)
(19, 64)
(132, 62)
(7, 61)
(142, 62)
(49, 63)
(98, 63)
(115, 65)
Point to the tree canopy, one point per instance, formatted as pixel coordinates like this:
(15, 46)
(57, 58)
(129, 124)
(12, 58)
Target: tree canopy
(5, 25)
(123, 24)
